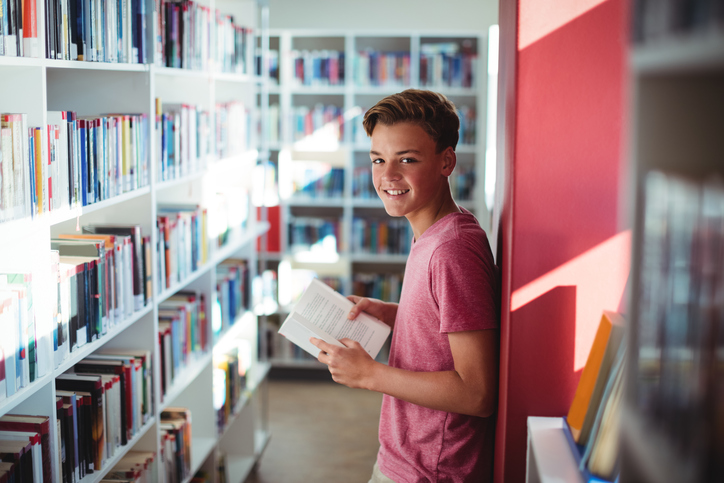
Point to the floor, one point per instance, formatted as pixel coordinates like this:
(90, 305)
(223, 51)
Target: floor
(321, 432)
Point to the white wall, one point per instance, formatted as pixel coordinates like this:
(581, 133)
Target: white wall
(406, 15)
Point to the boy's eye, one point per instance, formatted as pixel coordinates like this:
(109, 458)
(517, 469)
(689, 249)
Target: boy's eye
(378, 161)
(408, 160)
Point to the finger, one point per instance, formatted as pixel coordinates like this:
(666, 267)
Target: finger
(350, 343)
(322, 345)
(357, 308)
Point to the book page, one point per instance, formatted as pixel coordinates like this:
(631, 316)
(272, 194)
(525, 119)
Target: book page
(322, 313)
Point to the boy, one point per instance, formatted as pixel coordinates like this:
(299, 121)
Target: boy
(440, 387)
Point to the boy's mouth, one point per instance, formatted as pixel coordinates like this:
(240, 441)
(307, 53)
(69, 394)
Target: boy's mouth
(396, 192)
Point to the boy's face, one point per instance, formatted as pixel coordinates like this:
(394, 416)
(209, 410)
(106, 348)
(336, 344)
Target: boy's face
(409, 175)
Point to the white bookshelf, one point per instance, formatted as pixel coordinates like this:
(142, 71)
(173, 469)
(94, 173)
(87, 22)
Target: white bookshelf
(549, 458)
(38, 85)
(349, 153)
(677, 112)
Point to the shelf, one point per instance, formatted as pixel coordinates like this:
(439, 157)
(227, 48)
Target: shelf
(318, 90)
(320, 202)
(297, 364)
(262, 371)
(181, 382)
(107, 66)
(378, 258)
(261, 440)
(14, 401)
(200, 450)
(680, 54)
(221, 254)
(59, 216)
(239, 467)
(367, 203)
(549, 456)
(97, 476)
(177, 72)
(83, 352)
(161, 185)
(237, 78)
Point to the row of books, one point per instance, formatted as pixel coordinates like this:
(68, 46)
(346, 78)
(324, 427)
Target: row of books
(232, 129)
(680, 348)
(389, 69)
(96, 31)
(25, 448)
(311, 234)
(19, 28)
(317, 67)
(232, 296)
(183, 334)
(134, 466)
(592, 423)
(462, 183)
(362, 185)
(323, 123)
(230, 382)
(381, 236)
(100, 407)
(100, 277)
(16, 162)
(318, 180)
(183, 242)
(20, 360)
(272, 123)
(386, 287)
(175, 428)
(183, 139)
(272, 65)
(660, 19)
(468, 124)
(447, 65)
(192, 36)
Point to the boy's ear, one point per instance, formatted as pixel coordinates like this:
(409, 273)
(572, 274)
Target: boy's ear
(449, 160)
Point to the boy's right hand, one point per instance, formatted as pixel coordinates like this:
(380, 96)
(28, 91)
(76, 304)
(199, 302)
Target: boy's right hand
(386, 312)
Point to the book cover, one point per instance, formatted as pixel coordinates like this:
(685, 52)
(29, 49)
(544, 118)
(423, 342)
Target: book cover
(322, 313)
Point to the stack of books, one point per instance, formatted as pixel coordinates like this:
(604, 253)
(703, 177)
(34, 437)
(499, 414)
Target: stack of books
(101, 277)
(183, 242)
(322, 123)
(384, 236)
(317, 67)
(447, 64)
(229, 383)
(362, 186)
(388, 69)
(230, 45)
(232, 295)
(233, 129)
(25, 448)
(101, 406)
(176, 443)
(385, 287)
(21, 361)
(307, 234)
(183, 139)
(183, 334)
(272, 66)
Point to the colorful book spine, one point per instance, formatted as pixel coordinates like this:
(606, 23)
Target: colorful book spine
(384, 69)
(448, 64)
(318, 180)
(317, 67)
(232, 294)
(381, 236)
(307, 234)
(380, 286)
(319, 123)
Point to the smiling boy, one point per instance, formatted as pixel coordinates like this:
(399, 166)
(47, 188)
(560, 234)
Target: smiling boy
(440, 385)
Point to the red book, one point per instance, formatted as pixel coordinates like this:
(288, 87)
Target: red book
(35, 424)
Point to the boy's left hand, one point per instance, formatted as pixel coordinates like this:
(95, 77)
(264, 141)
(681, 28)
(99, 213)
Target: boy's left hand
(351, 365)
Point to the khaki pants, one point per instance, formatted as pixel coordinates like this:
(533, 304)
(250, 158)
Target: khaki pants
(378, 477)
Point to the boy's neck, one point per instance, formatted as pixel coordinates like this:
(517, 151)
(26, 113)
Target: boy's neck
(421, 221)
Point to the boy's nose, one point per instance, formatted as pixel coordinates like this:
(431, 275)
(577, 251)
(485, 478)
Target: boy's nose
(390, 172)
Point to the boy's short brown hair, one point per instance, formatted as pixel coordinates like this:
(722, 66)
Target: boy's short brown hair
(432, 111)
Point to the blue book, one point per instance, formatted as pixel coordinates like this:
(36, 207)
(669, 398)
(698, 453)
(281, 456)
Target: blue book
(83, 165)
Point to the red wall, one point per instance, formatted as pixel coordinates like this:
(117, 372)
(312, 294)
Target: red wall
(562, 255)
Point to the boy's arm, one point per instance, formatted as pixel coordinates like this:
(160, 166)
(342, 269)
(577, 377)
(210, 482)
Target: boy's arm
(472, 388)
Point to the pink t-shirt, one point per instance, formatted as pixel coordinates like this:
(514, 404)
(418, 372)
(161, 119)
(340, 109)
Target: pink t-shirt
(450, 285)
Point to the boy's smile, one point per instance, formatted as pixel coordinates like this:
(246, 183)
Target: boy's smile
(408, 173)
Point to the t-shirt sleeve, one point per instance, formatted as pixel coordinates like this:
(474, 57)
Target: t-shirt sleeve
(464, 285)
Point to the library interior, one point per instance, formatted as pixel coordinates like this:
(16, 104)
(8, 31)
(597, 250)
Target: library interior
(196, 194)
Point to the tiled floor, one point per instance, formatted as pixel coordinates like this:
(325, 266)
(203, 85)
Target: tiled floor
(321, 432)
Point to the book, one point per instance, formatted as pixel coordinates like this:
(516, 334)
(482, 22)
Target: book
(322, 313)
(595, 376)
(32, 424)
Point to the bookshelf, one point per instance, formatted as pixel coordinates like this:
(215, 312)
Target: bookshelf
(677, 79)
(36, 86)
(317, 142)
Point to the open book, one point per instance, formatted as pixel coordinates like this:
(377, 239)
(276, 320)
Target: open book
(322, 313)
